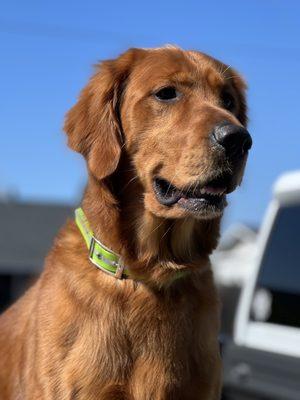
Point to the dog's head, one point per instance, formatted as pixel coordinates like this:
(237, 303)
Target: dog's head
(180, 116)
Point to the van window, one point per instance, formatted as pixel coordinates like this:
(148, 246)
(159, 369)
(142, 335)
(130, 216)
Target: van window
(277, 296)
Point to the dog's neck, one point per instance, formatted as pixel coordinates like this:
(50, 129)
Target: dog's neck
(144, 240)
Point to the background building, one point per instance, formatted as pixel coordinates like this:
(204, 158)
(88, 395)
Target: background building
(26, 234)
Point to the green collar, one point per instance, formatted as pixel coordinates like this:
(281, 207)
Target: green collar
(104, 258)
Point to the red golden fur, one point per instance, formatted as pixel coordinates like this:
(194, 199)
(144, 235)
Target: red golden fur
(79, 333)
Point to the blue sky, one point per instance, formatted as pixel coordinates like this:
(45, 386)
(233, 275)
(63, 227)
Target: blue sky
(47, 52)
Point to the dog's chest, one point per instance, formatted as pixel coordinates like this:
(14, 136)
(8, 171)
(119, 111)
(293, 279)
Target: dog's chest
(148, 349)
(174, 347)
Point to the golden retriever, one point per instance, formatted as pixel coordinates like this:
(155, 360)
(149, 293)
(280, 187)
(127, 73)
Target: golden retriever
(163, 134)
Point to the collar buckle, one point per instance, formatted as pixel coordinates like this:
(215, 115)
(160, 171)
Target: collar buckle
(117, 265)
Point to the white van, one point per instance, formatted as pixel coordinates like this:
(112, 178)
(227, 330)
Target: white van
(263, 361)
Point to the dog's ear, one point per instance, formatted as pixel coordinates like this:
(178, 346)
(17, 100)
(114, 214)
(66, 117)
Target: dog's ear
(93, 124)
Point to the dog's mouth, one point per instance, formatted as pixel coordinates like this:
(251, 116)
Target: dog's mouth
(208, 197)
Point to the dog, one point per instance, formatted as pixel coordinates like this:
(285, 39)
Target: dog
(126, 307)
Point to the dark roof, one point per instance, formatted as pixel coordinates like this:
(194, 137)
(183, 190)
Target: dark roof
(26, 234)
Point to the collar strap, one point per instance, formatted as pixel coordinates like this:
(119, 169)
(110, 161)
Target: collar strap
(104, 258)
(101, 256)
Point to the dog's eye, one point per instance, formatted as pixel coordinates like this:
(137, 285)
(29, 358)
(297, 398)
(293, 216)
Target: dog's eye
(166, 94)
(228, 101)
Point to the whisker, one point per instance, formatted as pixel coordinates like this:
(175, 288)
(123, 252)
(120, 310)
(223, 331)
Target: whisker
(168, 230)
(190, 186)
(130, 169)
(153, 230)
(195, 187)
(128, 183)
(230, 77)
(171, 182)
(226, 69)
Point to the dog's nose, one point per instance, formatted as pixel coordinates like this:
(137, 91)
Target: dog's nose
(235, 139)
